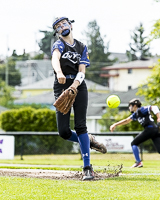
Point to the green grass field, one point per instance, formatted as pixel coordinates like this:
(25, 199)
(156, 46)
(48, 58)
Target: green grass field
(142, 183)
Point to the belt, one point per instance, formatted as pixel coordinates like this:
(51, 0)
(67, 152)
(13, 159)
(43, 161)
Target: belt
(70, 76)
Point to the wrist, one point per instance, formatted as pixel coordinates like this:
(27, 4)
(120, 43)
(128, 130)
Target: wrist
(59, 72)
(80, 77)
(75, 84)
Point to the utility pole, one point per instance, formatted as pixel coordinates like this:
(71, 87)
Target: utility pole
(6, 71)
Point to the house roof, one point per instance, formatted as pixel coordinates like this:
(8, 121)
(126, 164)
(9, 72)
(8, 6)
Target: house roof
(137, 64)
(47, 83)
(96, 101)
(45, 98)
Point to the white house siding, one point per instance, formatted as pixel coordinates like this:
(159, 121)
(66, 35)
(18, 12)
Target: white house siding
(92, 124)
(121, 82)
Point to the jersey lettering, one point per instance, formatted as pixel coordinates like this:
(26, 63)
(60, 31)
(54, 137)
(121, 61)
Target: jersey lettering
(141, 120)
(72, 56)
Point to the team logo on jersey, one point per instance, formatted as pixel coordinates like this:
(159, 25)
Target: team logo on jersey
(141, 120)
(72, 56)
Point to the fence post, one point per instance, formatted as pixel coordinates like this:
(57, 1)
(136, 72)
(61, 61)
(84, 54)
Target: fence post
(22, 147)
(141, 151)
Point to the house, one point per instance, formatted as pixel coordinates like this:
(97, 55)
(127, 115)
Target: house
(34, 70)
(46, 85)
(38, 78)
(127, 76)
(36, 88)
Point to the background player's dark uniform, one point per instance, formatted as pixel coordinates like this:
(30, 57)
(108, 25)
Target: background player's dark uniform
(143, 116)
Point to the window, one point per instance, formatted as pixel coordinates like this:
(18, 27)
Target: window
(129, 87)
(34, 73)
(129, 71)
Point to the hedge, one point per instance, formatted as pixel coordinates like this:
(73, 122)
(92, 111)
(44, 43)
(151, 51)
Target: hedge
(41, 120)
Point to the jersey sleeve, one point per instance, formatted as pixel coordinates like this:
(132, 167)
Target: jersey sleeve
(133, 117)
(58, 45)
(85, 57)
(145, 110)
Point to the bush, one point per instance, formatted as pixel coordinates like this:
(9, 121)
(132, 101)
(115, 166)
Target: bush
(29, 119)
(40, 120)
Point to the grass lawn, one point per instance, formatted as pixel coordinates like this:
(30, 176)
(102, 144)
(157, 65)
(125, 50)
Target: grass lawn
(142, 183)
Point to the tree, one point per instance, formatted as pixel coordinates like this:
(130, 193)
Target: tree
(5, 94)
(14, 76)
(150, 88)
(113, 115)
(39, 56)
(45, 42)
(98, 53)
(139, 49)
(155, 33)
(15, 57)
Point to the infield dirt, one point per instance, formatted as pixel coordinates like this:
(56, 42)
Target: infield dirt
(56, 174)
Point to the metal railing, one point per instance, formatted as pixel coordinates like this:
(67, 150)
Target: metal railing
(128, 133)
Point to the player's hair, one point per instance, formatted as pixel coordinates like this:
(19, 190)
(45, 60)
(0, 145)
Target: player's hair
(136, 102)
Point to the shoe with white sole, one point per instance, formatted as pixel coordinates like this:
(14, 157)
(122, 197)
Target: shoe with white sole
(137, 164)
(88, 173)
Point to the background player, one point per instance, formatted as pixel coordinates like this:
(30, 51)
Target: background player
(143, 116)
(69, 60)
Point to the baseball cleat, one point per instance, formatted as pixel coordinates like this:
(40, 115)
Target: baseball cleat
(137, 164)
(96, 145)
(88, 173)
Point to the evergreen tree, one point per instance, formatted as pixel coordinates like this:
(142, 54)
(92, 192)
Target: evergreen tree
(139, 49)
(46, 42)
(98, 53)
(14, 76)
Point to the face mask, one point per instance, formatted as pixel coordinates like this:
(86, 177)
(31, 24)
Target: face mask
(64, 32)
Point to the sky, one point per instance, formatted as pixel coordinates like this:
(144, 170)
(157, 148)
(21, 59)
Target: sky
(21, 21)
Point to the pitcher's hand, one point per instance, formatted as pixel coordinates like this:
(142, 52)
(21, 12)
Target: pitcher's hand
(61, 78)
(112, 127)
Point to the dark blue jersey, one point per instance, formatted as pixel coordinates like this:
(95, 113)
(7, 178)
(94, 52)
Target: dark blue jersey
(143, 116)
(71, 56)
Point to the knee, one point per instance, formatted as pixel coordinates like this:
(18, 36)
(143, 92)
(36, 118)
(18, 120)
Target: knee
(64, 134)
(133, 143)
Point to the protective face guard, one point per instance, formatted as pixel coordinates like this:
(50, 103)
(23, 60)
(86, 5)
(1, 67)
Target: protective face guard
(65, 32)
(58, 20)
